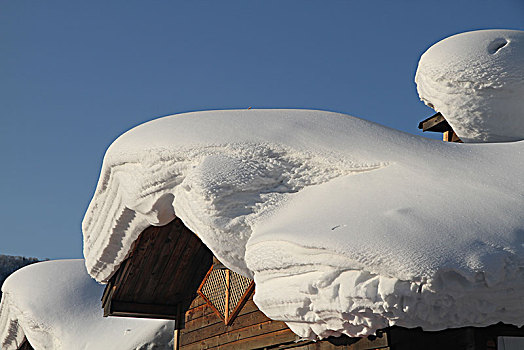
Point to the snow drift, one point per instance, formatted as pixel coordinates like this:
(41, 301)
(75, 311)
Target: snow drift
(9, 264)
(476, 80)
(56, 305)
(346, 226)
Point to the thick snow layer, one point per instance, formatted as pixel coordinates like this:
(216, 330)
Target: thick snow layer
(476, 80)
(347, 226)
(56, 305)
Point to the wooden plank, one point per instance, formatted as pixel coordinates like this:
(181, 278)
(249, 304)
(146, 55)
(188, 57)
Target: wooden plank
(197, 301)
(262, 341)
(196, 312)
(251, 332)
(131, 309)
(213, 320)
(201, 322)
(135, 288)
(200, 333)
(228, 291)
(338, 343)
(169, 238)
(123, 272)
(165, 268)
(435, 123)
(204, 310)
(204, 316)
(195, 268)
(125, 289)
(188, 264)
(176, 339)
(247, 338)
(120, 275)
(165, 272)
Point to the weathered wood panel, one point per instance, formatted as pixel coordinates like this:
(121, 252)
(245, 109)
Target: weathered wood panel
(252, 330)
(161, 274)
(204, 329)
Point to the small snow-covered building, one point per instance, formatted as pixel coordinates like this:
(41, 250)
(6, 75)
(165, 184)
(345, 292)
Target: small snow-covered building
(9, 264)
(56, 305)
(475, 81)
(329, 215)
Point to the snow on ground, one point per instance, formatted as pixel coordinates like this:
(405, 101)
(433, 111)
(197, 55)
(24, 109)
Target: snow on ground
(56, 305)
(347, 226)
(476, 80)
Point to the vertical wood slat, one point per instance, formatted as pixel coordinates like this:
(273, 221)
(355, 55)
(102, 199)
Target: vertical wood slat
(125, 291)
(161, 258)
(174, 260)
(226, 307)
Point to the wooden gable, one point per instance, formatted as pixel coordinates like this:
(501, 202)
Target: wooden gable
(161, 275)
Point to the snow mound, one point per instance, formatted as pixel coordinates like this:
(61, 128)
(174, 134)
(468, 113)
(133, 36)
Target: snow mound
(9, 264)
(476, 80)
(56, 305)
(346, 226)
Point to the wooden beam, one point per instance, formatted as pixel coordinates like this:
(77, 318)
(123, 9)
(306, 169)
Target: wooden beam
(130, 309)
(226, 309)
(435, 123)
(178, 327)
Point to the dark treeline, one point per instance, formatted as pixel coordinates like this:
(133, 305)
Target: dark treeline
(9, 264)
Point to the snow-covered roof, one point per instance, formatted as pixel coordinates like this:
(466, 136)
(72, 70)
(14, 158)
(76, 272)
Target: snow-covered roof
(56, 305)
(476, 80)
(347, 226)
(9, 264)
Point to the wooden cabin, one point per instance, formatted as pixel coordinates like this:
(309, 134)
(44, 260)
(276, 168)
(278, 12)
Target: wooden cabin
(171, 274)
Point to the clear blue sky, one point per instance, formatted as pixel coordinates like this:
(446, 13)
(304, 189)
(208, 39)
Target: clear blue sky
(74, 75)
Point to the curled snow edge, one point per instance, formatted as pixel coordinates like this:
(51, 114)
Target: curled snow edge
(346, 226)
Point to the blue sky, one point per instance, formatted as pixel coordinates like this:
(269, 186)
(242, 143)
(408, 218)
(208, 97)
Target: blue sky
(74, 75)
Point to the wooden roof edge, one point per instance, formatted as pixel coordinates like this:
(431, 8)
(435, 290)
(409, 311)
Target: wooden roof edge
(435, 123)
(131, 309)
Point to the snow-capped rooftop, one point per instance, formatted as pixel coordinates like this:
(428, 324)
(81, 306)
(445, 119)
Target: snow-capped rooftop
(56, 305)
(476, 80)
(347, 226)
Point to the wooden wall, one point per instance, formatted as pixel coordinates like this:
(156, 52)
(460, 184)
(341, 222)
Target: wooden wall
(251, 329)
(203, 329)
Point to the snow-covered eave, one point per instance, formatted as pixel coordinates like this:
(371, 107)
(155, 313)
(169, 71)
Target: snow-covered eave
(247, 181)
(140, 179)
